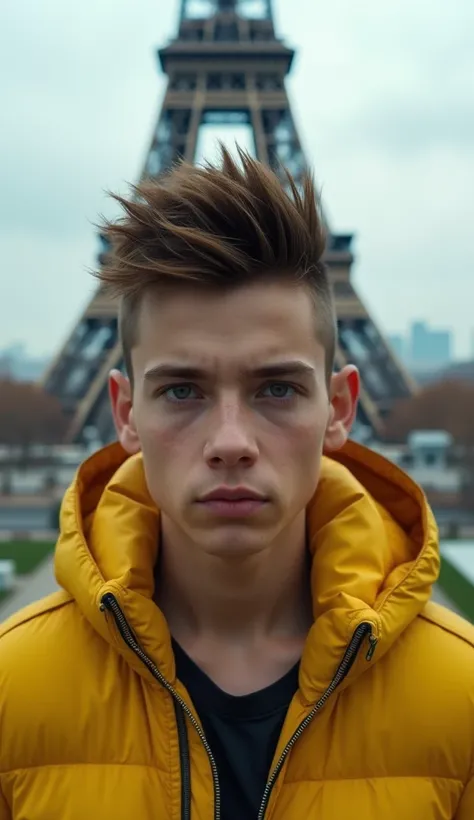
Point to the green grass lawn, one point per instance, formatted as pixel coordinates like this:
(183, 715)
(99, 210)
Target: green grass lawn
(4, 593)
(458, 588)
(26, 554)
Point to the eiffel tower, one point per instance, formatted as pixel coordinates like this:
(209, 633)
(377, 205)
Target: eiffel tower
(225, 67)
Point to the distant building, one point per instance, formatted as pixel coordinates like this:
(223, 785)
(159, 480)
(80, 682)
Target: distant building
(32, 486)
(423, 351)
(429, 349)
(435, 462)
(429, 457)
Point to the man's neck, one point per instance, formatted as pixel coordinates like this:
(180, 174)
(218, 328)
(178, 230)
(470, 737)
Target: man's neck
(235, 599)
(252, 613)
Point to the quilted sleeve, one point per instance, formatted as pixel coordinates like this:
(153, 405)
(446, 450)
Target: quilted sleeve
(466, 807)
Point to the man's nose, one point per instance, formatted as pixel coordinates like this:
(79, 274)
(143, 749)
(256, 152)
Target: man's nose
(230, 438)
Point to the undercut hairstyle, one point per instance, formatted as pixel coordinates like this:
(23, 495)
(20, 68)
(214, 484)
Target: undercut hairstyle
(219, 228)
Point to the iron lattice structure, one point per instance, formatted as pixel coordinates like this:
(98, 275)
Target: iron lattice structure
(226, 66)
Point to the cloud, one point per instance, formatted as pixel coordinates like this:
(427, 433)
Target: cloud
(76, 104)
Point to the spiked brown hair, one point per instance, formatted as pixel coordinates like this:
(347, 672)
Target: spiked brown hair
(221, 228)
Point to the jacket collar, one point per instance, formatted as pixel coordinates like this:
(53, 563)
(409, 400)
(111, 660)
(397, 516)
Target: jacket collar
(372, 538)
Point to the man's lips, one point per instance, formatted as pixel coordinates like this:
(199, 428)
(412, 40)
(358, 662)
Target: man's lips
(232, 494)
(235, 502)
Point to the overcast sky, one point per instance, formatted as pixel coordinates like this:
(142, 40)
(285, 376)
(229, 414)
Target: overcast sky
(382, 92)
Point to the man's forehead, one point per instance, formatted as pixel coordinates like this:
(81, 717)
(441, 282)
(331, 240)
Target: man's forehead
(241, 335)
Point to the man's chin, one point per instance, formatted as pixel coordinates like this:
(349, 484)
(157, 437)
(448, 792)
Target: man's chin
(233, 545)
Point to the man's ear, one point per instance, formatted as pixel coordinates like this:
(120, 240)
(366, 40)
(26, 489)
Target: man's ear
(120, 393)
(343, 395)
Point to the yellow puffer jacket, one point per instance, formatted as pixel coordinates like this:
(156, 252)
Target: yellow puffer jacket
(382, 727)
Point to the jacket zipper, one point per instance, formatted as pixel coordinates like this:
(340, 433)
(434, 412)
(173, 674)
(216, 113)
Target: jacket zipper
(364, 630)
(184, 761)
(109, 602)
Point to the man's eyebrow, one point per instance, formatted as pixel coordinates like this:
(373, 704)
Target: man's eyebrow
(172, 371)
(290, 368)
(271, 370)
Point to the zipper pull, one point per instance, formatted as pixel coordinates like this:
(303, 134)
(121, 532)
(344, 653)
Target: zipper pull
(105, 602)
(373, 645)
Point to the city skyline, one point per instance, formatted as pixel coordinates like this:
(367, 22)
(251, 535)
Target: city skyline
(391, 148)
(424, 348)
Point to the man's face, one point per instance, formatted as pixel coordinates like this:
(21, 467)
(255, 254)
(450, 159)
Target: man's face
(229, 394)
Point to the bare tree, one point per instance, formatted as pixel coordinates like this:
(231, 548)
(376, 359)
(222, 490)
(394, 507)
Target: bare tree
(29, 415)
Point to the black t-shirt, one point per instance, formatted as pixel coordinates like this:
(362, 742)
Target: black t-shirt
(242, 732)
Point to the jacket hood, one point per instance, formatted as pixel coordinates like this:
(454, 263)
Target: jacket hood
(371, 534)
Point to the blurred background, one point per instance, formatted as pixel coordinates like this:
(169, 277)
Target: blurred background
(377, 99)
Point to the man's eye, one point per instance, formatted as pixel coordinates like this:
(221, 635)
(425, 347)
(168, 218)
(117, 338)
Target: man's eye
(187, 392)
(279, 390)
(180, 392)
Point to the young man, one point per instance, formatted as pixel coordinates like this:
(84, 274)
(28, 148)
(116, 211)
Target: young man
(244, 630)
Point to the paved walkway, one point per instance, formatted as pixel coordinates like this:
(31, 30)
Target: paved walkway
(42, 582)
(30, 588)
